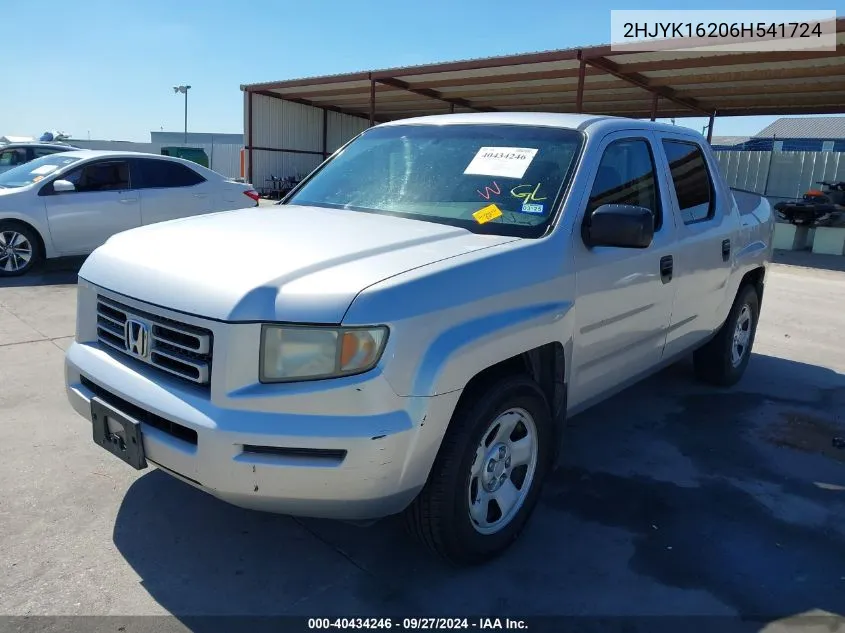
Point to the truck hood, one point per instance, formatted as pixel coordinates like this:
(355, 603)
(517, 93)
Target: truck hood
(282, 263)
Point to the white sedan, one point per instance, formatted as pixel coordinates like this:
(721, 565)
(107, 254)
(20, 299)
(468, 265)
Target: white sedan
(71, 203)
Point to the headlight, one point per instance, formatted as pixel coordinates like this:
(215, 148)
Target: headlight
(302, 353)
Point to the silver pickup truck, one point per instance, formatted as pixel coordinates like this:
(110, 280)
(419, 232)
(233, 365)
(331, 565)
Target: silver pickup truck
(410, 330)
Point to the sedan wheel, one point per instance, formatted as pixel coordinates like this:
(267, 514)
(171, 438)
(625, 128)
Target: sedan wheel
(19, 249)
(15, 251)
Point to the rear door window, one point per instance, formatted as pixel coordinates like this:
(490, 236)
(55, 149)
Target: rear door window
(165, 174)
(691, 179)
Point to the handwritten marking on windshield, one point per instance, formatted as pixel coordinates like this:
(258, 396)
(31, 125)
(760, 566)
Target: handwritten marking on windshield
(527, 196)
(490, 190)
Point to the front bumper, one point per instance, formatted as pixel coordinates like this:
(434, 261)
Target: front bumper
(362, 466)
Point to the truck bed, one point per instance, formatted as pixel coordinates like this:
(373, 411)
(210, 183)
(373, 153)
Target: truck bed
(756, 233)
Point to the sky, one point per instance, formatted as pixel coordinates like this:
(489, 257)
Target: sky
(105, 69)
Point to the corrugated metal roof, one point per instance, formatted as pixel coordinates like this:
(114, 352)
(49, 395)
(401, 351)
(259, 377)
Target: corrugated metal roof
(825, 127)
(729, 140)
(680, 83)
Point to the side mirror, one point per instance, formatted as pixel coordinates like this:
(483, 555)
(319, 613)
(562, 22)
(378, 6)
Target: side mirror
(620, 225)
(60, 186)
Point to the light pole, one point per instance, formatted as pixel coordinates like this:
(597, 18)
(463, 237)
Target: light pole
(184, 91)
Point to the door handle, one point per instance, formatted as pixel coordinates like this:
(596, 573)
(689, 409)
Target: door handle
(726, 250)
(667, 265)
(200, 195)
(127, 200)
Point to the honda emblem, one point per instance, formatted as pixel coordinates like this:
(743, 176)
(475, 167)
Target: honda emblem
(137, 338)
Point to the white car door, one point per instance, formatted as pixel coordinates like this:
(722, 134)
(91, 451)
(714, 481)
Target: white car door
(102, 204)
(624, 295)
(171, 190)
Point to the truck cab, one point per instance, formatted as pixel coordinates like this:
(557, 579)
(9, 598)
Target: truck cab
(410, 329)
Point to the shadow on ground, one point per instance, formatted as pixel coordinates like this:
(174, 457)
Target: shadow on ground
(807, 259)
(53, 272)
(672, 499)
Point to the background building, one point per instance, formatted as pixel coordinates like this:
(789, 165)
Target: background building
(223, 150)
(791, 134)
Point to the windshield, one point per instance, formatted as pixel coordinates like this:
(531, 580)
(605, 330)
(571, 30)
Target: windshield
(502, 179)
(35, 170)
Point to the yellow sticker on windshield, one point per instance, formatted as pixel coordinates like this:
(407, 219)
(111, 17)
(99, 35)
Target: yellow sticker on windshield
(37, 178)
(490, 212)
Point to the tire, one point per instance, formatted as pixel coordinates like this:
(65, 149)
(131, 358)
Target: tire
(440, 515)
(719, 362)
(20, 249)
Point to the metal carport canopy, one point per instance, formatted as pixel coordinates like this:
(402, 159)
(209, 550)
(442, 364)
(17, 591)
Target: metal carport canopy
(598, 80)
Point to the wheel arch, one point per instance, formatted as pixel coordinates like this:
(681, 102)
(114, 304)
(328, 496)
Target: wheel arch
(14, 221)
(755, 277)
(545, 364)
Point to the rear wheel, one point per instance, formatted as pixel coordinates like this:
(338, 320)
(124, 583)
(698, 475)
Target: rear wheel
(723, 360)
(487, 476)
(20, 250)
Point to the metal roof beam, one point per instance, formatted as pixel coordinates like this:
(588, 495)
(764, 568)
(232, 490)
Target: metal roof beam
(636, 79)
(748, 76)
(528, 76)
(430, 93)
(837, 83)
(475, 64)
(734, 59)
(310, 103)
(781, 110)
(307, 81)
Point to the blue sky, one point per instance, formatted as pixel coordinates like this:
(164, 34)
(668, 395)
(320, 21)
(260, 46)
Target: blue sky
(107, 67)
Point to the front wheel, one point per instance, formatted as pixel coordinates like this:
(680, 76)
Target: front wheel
(19, 249)
(723, 360)
(486, 479)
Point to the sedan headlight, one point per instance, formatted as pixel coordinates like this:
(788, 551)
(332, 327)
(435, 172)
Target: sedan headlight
(291, 353)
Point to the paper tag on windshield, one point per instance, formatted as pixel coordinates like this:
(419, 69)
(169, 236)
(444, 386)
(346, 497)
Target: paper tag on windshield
(532, 208)
(490, 212)
(44, 169)
(507, 162)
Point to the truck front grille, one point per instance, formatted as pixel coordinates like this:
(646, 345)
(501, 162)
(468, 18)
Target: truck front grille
(177, 348)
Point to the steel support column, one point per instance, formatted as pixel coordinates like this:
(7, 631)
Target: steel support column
(325, 133)
(710, 126)
(372, 102)
(579, 96)
(249, 133)
(654, 98)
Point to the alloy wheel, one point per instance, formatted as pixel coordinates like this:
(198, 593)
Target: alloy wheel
(15, 251)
